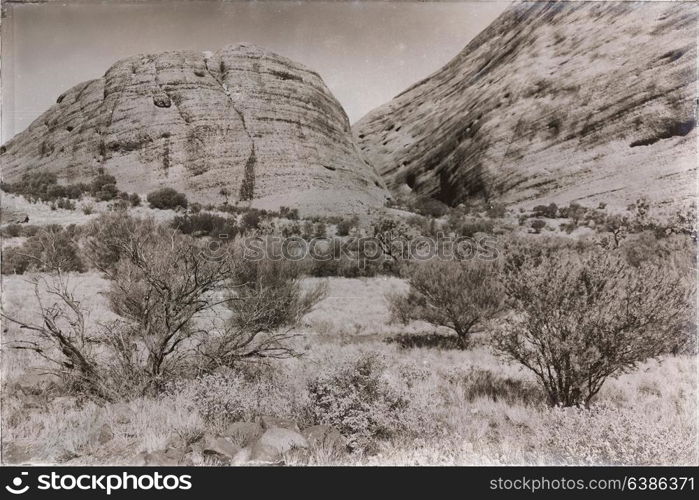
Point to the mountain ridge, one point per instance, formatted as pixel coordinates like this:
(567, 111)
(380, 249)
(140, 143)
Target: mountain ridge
(243, 119)
(548, 104)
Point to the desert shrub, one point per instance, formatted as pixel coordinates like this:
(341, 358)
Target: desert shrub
(60, 336)
(392, 235)
(470, 226)
(166, 198)
(579, 318)
(607, 435)
(496, 210)
(16, 260)
(88, 208)
(110, 237)
(250, 220)
(350, 263)
(206, 224)
(19, 230)
(547, 211)
(134, 199)
(50, 249)
(454, 294)
(158, 307)
(477, 383)
(344, 227)
(265, 301)
(11, 231)
(231, 396)
(574, 211)
(103, 187)
(118, 205)
(289, 213)
(537, 225)
(291, 229)
(43, 186)
(65, 204)
(166, 295)
(320, 230)
(358, 401)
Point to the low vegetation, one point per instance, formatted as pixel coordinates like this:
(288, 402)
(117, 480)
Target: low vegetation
(504, 360)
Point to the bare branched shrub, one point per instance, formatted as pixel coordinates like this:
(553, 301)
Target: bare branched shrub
(61, 337)
(105, 240)
(579, 318)
(160, 285)
(267, 299)
(168, 293)
(454, 294)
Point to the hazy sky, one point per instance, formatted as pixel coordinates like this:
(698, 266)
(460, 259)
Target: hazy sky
(367, 52)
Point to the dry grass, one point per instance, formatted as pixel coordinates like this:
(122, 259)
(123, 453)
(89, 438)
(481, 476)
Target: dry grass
(465, 407)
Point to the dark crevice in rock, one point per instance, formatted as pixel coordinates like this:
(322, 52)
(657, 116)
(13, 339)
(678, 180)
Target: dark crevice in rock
(247, 188)
(676, 129)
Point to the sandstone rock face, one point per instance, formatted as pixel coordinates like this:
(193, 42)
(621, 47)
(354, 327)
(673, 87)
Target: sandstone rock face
(257, 124)
(552, 102)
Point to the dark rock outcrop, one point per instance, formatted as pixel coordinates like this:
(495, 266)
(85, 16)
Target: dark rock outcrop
(559, 101)
(257, 124)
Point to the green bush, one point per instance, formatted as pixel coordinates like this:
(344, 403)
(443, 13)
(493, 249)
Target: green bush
(454, 294)
(50, 249)
(344, 227)
(250, 220)
(547, 211)
(358, 401)
(230, 396)
(103, 187)
(166, 198)
(43, 186)
(580, 317)
(206, 224)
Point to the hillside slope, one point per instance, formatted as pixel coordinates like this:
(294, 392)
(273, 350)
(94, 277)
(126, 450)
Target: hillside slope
(552, 102)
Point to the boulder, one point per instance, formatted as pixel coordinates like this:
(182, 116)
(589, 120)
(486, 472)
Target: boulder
(167, 457)
(218, 448)
(105, 434)
(274, 443)
(324, 436)
(242, 457)
(283, 423)
(244, 433)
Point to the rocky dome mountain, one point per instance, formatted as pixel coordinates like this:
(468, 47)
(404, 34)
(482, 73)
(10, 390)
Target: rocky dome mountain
(554, 102)
(259, 125)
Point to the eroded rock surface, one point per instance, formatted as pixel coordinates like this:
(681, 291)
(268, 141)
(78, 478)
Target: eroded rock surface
(585, 101)
(259, 125)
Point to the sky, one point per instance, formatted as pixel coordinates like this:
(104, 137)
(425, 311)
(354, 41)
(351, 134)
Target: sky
(366, 52)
